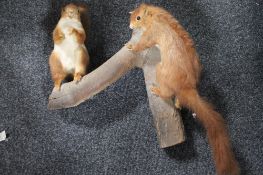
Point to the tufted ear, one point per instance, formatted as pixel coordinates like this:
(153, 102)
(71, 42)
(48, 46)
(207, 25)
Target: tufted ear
(83, 8)
(143, 5)
(62, 10)
(146, 8)
(147, 12)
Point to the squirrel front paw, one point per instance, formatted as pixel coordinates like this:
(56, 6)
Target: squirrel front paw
(61, 36)
(155, 90)
(77, 77)
(178, 105)
(69, 30)
(57, 86)
(129, 46)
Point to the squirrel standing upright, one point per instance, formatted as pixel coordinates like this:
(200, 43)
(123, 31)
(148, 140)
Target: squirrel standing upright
(70, 56)
(178, 75)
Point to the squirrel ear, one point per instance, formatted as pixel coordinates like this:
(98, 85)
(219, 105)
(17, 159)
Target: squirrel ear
(147, 12)
(62, 10)
(82, 8)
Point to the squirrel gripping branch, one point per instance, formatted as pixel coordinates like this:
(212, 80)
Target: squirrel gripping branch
(70, 56)
(178, 75)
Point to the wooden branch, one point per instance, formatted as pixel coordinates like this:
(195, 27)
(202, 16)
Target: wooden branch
(168, 122)
(72, 94)
(167, 119)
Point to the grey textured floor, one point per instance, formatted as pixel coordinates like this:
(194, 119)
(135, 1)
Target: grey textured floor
(113, 133)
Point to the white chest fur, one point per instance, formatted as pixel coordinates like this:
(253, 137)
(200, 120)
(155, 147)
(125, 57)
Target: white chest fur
(66, 23)
(68, 47)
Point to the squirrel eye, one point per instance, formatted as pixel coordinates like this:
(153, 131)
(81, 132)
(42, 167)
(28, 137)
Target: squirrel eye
(138, 18)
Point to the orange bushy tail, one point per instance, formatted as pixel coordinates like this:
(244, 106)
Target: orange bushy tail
(214, 124)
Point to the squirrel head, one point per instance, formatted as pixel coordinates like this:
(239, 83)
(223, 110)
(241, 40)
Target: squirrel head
(141, 17)
(73, 11)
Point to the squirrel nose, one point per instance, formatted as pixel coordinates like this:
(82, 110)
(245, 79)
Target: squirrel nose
(131, 26)
(71, 13)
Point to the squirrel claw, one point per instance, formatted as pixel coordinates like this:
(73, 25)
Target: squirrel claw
(177, 105)
(155, 90)
(70, 30)
(77, 78)
(129, 46)
(57, 88)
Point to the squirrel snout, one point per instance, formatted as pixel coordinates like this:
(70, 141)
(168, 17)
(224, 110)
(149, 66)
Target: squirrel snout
(71, 14)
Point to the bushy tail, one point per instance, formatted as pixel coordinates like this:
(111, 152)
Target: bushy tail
(214, 124)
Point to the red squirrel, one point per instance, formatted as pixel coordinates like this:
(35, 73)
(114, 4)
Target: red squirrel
(70, 56)
(178, 75)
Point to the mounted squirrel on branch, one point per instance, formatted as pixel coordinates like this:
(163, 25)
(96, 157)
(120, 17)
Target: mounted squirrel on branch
(70, 56)
(177, 72)
(178, 75)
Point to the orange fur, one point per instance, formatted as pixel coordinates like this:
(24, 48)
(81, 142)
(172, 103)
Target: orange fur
(79, 35)
(73, 11)
(82, 56)
(57, 72)
(178, 75)
(58, 35)
(70, 55)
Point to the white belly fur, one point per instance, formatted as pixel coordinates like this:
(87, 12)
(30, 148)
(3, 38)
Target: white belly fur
(68, 47)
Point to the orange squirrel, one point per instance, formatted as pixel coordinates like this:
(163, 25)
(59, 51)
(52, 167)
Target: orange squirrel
(70, 56)
(178, 75)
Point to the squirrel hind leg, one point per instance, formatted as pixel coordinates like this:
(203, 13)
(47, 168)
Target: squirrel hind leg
(77, 77)
(177, 104)
(58, 77)
(57, 72)
(81, 65)
(162, 91)
(57, 84)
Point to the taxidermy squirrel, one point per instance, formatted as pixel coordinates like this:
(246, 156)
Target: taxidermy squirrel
(70, 56)
(178, 75)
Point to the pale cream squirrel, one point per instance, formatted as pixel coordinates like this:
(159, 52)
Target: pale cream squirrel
(69, 56)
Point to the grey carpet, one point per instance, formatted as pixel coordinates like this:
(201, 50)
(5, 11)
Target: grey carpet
(113, 133)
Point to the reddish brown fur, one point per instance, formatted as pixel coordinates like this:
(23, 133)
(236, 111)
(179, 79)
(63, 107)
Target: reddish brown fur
(79, 35)
(58, 73)
(83, 61)
(73, 11)
(58, 35)
(178, 75)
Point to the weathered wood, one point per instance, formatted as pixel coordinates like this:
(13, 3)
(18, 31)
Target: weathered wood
(167, 119)
(168, 122)
(72, 94)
